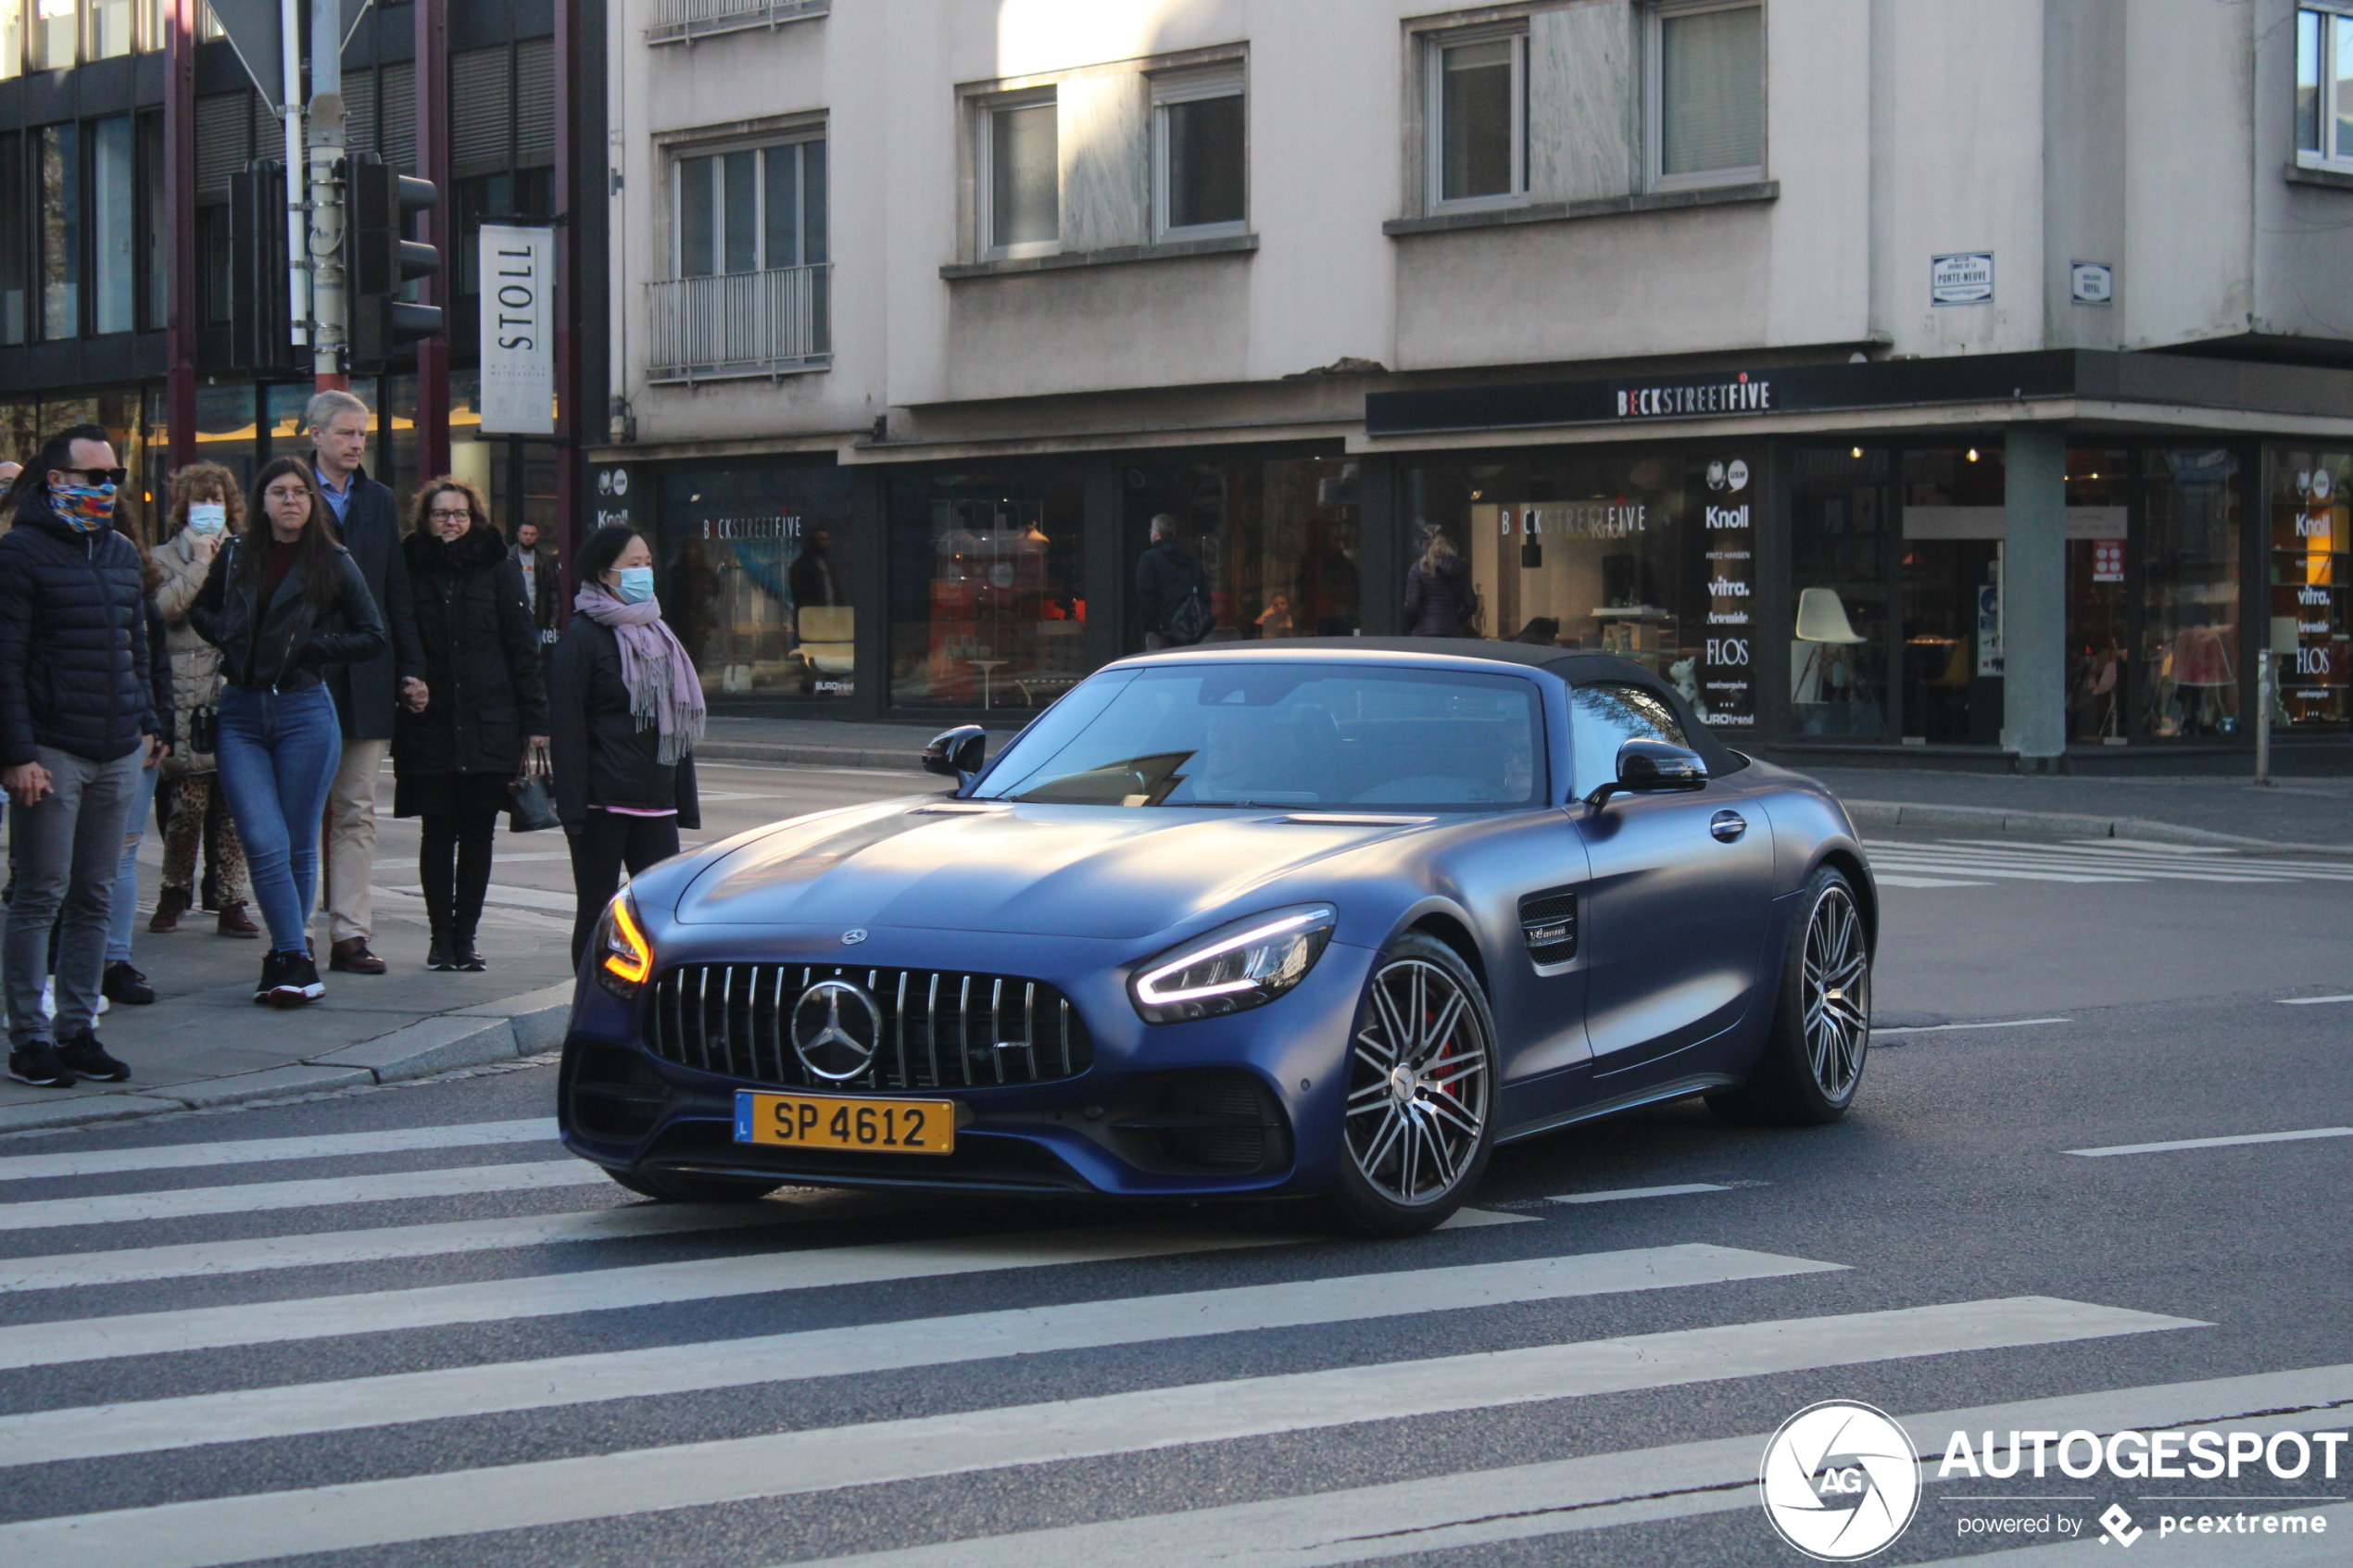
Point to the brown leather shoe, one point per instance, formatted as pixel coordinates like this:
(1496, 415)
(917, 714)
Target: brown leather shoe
(235, 922)
(171, 904)
(350, 956)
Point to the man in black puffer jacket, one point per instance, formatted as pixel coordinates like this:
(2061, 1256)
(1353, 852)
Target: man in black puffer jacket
(78, 721)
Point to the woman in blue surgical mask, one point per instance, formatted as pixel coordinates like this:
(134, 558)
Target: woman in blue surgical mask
(626, 709)
(206, 509)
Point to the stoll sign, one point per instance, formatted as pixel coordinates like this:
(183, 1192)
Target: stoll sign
(518, 330)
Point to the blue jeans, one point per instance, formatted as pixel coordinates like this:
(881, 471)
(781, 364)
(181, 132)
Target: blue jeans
(126, 881)
(278, 754)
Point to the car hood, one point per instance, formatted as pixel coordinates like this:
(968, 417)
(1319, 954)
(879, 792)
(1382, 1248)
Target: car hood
(1041, 871)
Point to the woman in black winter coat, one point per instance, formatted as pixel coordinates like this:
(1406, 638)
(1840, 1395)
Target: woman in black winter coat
(1439, 600)
(452, 760)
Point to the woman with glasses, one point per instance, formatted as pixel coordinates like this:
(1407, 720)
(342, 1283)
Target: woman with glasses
(281, 603)
(455, 756)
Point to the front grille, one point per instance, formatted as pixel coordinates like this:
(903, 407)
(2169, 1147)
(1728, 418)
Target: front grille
(941, 1029)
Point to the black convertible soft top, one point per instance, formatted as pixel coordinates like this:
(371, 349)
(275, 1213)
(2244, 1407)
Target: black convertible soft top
(1579, 667)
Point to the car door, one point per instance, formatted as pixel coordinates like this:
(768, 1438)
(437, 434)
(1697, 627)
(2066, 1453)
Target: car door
(1679, 887)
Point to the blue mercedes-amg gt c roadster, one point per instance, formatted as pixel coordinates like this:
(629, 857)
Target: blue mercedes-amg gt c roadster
(1325, 917)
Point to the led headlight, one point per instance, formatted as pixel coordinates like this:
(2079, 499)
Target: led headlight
(625, 960)
(1244, 964)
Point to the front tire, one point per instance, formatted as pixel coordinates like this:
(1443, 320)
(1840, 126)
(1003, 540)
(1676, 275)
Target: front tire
(669, 1186)
(1419, 1121)
(1812, 1063)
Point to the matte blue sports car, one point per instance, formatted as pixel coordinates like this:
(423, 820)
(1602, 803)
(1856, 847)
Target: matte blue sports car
(1326, 917)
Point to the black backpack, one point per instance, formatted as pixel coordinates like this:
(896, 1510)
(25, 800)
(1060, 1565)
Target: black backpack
(1192, 619)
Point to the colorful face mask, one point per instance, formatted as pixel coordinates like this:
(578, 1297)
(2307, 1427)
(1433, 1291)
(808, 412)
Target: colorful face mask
(207, 516)
(636, 584)
(87, 508)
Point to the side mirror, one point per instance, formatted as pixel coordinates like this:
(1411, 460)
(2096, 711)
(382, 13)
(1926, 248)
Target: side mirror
(957, 754)
(1653, 767)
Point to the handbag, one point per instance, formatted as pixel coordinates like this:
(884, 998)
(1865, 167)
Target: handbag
(533, 796)
(203, 730)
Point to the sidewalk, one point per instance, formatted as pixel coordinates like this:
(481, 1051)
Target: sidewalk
(833, 743)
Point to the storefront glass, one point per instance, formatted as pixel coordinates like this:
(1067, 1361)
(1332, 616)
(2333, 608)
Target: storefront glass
(986, 585)
(1842, 549)
(1276, 538)
(1952, 595)
(2309, 546)
(757, 564)
(2099, 633)
(2187, 556)
(1650, 555)
(225, 429)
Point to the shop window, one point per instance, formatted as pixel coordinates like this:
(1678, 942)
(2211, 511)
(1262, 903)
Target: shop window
(2323, 87)
(1199, 153)
(1953, 523)
(1276, 538)
(986, 585)
(2102, 680)
(1650, 557)
(1841, 545)
(2311, 556)
(1019, 154)
(58, 159)
(113, 225)
(757, 570)
(15, 264)
(1474, 103)
(1707, 93)
(225, 432)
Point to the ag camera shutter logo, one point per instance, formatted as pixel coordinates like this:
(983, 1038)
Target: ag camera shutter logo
(1839, 1481)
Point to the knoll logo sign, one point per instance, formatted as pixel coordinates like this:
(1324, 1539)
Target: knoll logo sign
(1675, 399)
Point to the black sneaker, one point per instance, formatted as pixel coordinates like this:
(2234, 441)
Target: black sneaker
(273, 968)
(88, 1059)
(120, 983)
(39, 1065)
(437, 956)
(463, 956)
(297, 981)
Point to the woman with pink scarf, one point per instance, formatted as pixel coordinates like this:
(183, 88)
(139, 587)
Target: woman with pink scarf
(627, 709)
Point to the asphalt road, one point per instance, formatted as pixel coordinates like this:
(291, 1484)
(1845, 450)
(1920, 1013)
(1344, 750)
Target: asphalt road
(416, 1334)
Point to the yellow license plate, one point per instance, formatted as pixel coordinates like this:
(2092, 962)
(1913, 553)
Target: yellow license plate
(862, 1126)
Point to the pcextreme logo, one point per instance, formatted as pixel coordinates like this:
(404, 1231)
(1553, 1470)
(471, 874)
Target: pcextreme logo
(1839, 1481)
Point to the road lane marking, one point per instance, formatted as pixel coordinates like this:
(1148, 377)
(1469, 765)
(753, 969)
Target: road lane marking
(247, 1415)
(1941, 1028)
(204, 1534)
(1518, 1502)
(2312, 1001)
(127, 1207)
(2214, 1143)
(520, 898)
(1471, 1219)
(1620, 1194)
(593, 1290)
(1888, 879)
(330, 1145)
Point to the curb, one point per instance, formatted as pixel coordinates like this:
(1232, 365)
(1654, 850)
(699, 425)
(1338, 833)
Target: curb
(1998, 819)
(476, 1036)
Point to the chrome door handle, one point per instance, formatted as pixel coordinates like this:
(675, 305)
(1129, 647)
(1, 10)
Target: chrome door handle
(1727, 827)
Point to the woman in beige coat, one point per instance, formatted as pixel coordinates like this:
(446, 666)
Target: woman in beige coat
(206, 509)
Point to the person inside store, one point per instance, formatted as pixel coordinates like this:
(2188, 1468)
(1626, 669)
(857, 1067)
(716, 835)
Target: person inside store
(366, 691)
(78, 721)
(1440, 599)
(542, 580)
(1172, 591)
(453, 759)
(626, 713)
(285, 603)
(816, 578)
(122, 981)
(204, 511)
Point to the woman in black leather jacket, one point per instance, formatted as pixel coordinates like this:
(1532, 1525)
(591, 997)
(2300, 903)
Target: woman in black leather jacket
(283, 601)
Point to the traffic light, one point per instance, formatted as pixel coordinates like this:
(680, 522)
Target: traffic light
(379, 259)
(260, 324)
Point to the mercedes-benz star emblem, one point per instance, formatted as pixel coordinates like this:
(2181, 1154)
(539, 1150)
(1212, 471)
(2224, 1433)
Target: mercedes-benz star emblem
(836, 1028)
(854, 935)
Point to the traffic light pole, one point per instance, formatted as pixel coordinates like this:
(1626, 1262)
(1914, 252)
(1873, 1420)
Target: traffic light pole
(330, 293)
(297, 220)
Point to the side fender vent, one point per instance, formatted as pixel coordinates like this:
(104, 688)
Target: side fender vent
(1549, 921)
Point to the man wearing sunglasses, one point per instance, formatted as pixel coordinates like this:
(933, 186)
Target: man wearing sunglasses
(78, 720)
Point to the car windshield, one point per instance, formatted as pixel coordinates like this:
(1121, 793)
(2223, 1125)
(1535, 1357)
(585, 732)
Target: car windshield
(1314, 736)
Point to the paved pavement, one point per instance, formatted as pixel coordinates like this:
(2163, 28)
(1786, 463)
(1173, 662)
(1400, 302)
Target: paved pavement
(395, 1326)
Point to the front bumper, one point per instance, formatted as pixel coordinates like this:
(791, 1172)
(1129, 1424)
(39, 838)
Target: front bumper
(1244, 1105)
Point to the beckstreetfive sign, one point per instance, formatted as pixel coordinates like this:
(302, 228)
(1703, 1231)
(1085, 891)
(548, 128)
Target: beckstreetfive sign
(1683, 398)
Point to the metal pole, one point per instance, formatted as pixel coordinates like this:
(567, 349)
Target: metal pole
(2266, 686)
(329, 309)
(438, 227)
(297, 220)
(186, 315)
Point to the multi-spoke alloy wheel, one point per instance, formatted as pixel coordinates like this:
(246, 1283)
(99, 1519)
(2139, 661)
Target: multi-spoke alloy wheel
(1420, 1085)
(1838, 994)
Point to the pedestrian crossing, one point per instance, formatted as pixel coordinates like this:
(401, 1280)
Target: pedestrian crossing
(1983, 862)
(670, 1361)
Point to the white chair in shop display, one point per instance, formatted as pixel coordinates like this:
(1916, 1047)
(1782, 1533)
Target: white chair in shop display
(1821, 627)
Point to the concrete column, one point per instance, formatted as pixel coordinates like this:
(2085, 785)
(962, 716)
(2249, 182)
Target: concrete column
(2034, 593)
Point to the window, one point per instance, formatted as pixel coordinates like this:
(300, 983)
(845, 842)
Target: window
(1707, 94)
(53, 25)
(1605, 716)
(1476, 104)
(57, 153)
(155, 253)
(1198, 154)
(2323, 87)
(111, 23)
(115, 257)
(754, 210)
(13, 321)
(11, 38)
(1020, 159)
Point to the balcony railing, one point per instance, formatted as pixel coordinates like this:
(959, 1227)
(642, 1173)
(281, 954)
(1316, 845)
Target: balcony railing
(741, 324)
(682, 22)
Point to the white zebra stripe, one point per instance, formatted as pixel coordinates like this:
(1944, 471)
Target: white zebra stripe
(128, 1208)
(179, 1155)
